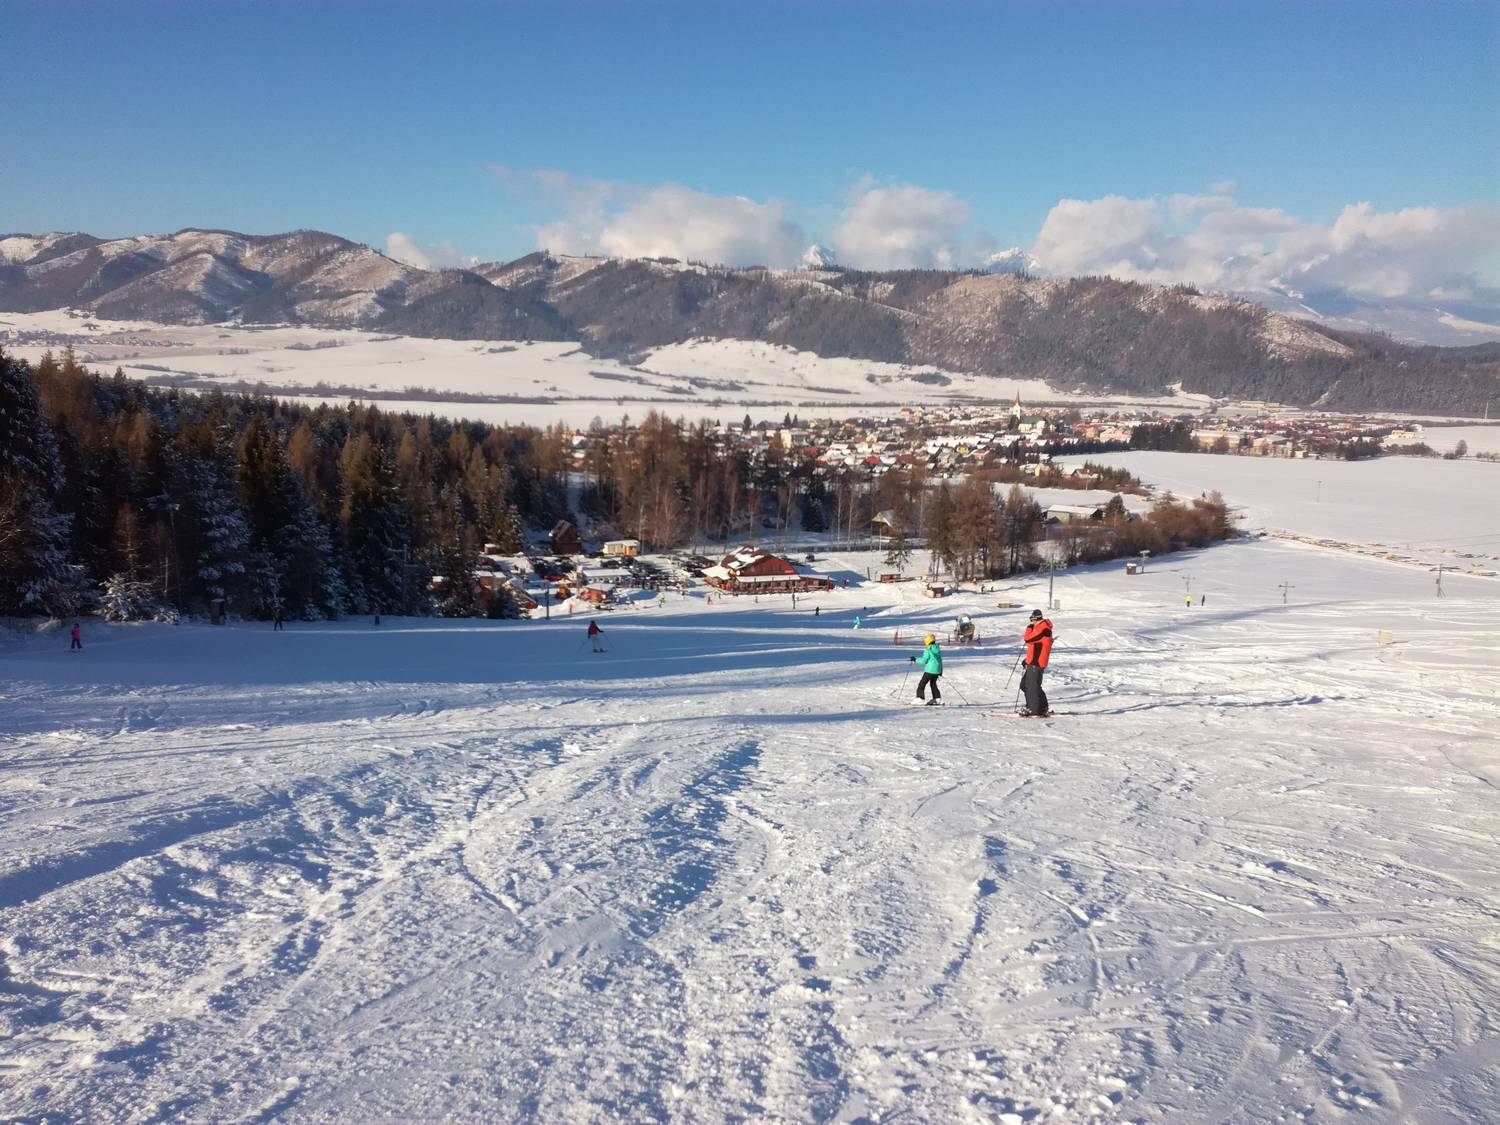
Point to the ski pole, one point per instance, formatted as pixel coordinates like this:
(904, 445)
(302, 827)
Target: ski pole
(961, 695)
(1013, 668)
(901, 690)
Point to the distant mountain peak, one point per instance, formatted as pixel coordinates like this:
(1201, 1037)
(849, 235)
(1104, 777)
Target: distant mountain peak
(1014, 260)
(819, 257)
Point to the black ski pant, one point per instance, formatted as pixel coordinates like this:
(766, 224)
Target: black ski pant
(928, 678)
(1031, 684)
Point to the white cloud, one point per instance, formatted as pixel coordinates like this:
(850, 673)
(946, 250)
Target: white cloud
(678, 222)
(404, 248)
(1109, 235)
(1208, 239)
(668, 220)
(1214, 241)
(902, 227)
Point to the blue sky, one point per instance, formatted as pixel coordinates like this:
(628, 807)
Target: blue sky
(372, 118)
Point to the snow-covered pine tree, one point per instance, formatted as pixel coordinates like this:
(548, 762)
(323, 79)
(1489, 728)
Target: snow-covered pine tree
(489, 487)
(130, 599)
(36, 575)
(457, 558)
(290, 550)
(375, 528)
(127, 593)
(214, 536)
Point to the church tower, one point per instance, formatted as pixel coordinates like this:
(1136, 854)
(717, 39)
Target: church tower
(1015, 407)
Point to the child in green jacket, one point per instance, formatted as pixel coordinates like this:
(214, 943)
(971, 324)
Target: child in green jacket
(931, 661)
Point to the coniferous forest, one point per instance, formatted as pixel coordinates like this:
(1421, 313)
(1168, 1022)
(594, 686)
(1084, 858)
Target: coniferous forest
(142, 502)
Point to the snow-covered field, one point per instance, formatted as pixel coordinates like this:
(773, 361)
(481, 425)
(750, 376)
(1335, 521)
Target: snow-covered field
(556, 382)
(1479, 439)
(469, 871)
(1414, 509)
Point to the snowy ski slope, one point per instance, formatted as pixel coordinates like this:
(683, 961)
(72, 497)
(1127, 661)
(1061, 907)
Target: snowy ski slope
(471, 872)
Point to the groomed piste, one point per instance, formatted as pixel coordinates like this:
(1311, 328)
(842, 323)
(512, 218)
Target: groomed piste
(471, 871)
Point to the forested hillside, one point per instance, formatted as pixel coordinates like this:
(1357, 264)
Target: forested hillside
(164, 501)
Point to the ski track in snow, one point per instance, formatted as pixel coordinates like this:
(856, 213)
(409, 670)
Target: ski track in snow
(721, 872)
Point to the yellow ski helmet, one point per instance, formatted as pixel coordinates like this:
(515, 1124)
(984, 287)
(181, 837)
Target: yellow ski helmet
(928, 639)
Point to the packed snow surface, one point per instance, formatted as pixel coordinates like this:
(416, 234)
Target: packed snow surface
(471, 871)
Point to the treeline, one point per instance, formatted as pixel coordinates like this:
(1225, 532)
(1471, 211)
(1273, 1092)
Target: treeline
(667, 482)
(1170, 525)
(145, 502)
(1174, 437)
(974, 532)
(1091, 476)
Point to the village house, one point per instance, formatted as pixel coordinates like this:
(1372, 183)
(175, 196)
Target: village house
(750, 570)
(564, 539)
(602, 576)
(1074, 513)
(884, 525)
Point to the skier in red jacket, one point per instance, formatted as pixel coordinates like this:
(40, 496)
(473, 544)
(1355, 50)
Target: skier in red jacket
(1038, 638)
(596, 636)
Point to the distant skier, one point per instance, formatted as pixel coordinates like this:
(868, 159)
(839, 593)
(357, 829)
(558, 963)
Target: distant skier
(817, 610)
(77, 635)
(932, 669)
(277, 617)
(856, 621)
(596, 636)
(1038, 638)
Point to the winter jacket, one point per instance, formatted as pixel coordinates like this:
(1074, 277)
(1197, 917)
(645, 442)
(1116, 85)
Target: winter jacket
(931, 659)
(1038, 638)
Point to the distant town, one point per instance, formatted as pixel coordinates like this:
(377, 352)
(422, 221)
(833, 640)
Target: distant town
(952, 440)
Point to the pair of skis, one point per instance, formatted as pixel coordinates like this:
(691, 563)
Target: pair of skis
(987, 714)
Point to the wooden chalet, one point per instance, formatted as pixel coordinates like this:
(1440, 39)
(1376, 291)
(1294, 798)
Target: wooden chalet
(565, 540)
(753, 571)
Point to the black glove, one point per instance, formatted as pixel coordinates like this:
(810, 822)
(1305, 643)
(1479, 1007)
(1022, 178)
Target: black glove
(913, 659)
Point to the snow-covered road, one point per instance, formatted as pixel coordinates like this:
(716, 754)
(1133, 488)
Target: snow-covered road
(467, 871)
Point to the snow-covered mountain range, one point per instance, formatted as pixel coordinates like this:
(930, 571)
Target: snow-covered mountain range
(1096, 333)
